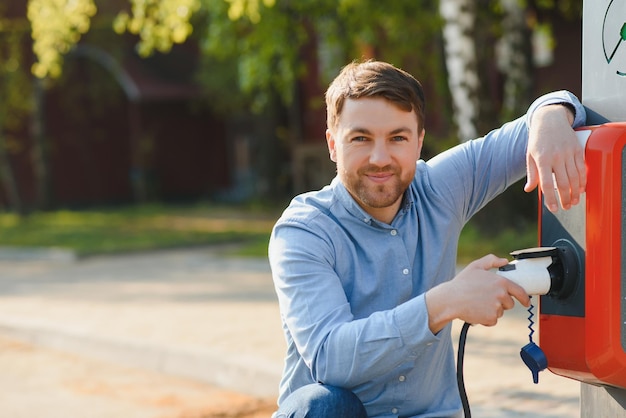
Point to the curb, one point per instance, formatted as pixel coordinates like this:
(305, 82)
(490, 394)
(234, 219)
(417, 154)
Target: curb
(37, 254)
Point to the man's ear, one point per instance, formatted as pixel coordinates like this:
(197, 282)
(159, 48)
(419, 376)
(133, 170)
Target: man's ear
(420, 142)
(330, 141)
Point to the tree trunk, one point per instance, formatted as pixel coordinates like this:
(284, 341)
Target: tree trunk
(460, 55)
(8, 179)
(39, 156)
(515, 60)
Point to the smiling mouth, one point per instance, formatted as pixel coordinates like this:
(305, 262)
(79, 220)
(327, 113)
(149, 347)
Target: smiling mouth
(379, 177)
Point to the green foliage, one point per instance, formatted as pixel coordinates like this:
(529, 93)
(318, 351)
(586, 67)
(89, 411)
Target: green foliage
(266, 55)
(159, 23)
(248, 8)
(568, 8)
(261, 40)
(267, 37)
(57, 25)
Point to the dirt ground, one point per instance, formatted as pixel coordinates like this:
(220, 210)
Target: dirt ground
(42, 382)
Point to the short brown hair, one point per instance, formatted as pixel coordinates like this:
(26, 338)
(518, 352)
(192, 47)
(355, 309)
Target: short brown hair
(374, 79)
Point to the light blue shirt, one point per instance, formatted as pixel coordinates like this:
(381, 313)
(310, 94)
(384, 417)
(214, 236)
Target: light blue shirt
(351, 288)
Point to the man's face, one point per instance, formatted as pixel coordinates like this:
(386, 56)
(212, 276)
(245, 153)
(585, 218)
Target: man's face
(375, 145)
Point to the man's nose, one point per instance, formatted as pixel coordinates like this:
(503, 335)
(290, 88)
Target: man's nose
(380, 154)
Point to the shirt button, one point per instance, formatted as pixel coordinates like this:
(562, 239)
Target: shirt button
(402, 378)
(405, 271)
(394, 232)
(394, 410)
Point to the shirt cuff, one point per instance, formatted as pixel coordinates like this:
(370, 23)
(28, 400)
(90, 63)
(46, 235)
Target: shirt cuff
(411, 318)
(558, 97)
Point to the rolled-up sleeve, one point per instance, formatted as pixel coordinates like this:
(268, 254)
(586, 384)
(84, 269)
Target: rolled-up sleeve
(557, 97)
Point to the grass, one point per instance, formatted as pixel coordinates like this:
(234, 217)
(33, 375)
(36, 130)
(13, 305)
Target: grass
(135, 228)
(157, 226)
(473, 244)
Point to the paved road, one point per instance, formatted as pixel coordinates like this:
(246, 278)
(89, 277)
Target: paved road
(47, 383)
(169, 328)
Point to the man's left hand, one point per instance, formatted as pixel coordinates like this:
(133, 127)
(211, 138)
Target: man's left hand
(554, 153)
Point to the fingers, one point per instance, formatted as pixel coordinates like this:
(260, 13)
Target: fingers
(555, 158)
(581, 169)
(485, 294)
(567, 178)
(488, 262)
(512, 291)
(532, 176)
(505, 301)
(571, 179)
(517, 292)
(566, 187)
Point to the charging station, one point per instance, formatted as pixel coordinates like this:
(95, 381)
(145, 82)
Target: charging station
(583, 331)
(579, 267)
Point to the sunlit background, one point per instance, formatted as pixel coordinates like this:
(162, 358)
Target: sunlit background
(130, 125)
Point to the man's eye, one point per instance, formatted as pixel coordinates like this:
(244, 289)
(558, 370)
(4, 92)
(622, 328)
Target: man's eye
(359, 139)
(399, 138)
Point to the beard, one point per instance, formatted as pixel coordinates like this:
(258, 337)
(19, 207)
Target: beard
(370, 194)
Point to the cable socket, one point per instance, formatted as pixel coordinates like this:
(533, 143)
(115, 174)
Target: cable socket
(551, 271)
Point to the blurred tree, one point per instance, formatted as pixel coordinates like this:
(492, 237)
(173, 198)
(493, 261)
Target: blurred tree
(57, 25)
(266, 36)
(15, 99)
(264, 39)
(264, 43)
(459, 33)
(254, 47)
(158, 23)
(515, 58)
(517, 31)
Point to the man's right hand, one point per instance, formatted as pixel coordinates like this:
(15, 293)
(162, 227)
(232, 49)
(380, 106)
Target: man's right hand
(476, 295)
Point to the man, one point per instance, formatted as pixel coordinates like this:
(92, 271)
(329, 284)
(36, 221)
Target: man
(364, 269)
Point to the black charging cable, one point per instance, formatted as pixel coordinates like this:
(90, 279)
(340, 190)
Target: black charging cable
(459, 370)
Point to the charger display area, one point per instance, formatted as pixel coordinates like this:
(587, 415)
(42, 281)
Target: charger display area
(604, 60)
(583, 330)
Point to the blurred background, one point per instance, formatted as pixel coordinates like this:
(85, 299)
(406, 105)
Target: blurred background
(130, 125)
(182, 109)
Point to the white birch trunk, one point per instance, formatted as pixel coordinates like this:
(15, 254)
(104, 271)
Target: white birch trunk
(460, 51)
(514, 59)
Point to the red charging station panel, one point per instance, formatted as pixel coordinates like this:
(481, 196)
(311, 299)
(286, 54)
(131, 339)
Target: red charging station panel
(584, 334)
